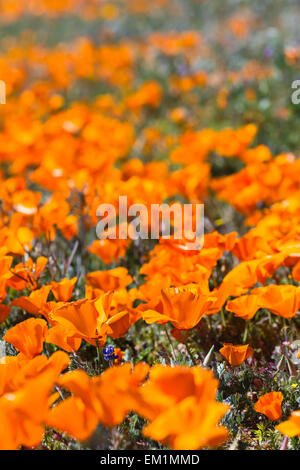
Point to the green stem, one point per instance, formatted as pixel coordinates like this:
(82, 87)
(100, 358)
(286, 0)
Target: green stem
(246, 331)
(188, 349)
(99, 357)
(171, 344)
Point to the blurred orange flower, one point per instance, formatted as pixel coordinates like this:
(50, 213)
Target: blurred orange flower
(291, 427)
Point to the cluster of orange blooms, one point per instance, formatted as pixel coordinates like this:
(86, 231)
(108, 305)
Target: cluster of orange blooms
(59, 162)
(11, 10)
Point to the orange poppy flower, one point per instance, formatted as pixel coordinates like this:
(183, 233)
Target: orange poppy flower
(24, 412)
(291, 427)
(121, 314)
(183, 307)
(281, 300)
(109, 250)
(118, 323)
(242, 277)
(268, 265)
(188, 425)
(270, 405)
(236, 355)
(63, 290)
(245, 306)
(74, 418)
(112, 279)
(91, 320)
(149, 94)
(125, 393)
(77, 415)
(26, 275)
(35, 302)
(167, 386)
(63, 338)
(28, 336)
(81, 319)
(221, 295)
(251, 246)
(15, 371)
(181, 405)
(91, 401)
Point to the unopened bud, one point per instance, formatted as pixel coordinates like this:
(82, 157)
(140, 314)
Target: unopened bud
(209, 356)
(281, 363)
(291, 367)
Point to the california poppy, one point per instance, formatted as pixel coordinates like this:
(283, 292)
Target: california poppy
(35, 302)
(270, 405)
(24, 412)
(63, 290)
(109, 280)
(184, 308)
(28, 336)
(236, 355)
(91, 320)
(291, 427)
(245, 306)
(184, 416)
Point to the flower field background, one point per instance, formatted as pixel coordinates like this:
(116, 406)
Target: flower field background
(143, 344)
